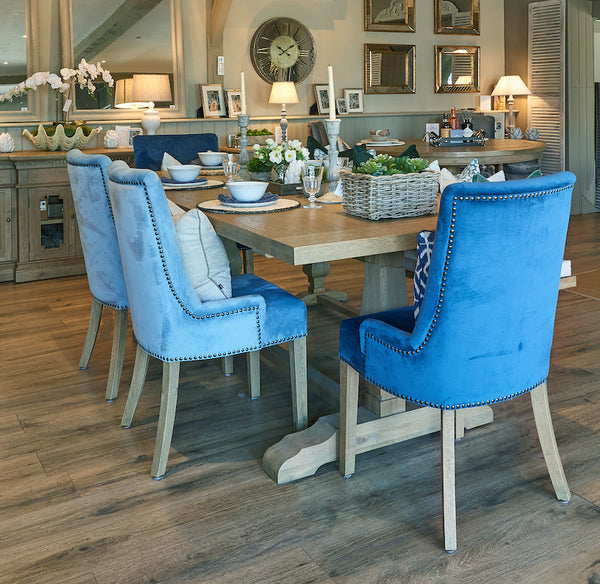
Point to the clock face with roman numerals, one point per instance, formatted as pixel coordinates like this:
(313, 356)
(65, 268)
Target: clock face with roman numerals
(282, 49)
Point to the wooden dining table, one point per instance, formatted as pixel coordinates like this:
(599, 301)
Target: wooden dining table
(312, 238)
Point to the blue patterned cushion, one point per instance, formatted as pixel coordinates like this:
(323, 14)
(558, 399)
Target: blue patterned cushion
(425, 241)
(469, 171)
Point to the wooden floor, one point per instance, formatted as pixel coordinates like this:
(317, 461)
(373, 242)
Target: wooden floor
(77, 505)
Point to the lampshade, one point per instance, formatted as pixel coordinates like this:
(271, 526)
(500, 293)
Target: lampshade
(283, 92)
(511, 85)
(123, 95)
(147, 87)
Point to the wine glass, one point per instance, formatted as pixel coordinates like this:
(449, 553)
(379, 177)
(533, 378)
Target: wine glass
(231, 166)
(311, 178)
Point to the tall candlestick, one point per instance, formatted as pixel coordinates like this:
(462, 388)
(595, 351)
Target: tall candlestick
(331, 94)
(243, 91)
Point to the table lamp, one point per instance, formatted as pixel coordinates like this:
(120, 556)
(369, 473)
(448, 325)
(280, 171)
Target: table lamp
(283, 92)
(123, 99)
(149, 88)
(511, 85)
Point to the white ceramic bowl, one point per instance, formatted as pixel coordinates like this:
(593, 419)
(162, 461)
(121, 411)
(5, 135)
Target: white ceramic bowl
(210, 158)
(184, 172)
(247, 191)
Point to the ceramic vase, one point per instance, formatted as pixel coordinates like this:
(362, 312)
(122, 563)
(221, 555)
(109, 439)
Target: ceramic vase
(515, 133)
(532, 134)
(7, 143)
(111, 139)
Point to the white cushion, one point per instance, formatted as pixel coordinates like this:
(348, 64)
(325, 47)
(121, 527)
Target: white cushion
(204, 256)
(176, 211)
(447, 178)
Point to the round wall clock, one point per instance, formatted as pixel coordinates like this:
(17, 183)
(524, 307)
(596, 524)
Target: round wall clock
(282, 49)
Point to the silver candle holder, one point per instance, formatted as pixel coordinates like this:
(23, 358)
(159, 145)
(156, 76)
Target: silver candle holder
(332, 128)
(243, 120)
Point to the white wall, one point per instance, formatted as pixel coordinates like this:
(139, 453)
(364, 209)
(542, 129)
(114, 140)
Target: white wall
(337, 26)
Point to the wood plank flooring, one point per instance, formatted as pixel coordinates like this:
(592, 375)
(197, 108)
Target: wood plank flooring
(77, 504)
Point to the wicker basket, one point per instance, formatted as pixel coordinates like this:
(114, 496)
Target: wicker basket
(389, 197)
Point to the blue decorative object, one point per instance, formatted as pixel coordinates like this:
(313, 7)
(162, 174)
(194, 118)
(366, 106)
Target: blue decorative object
(425, 241)
(148, 151)
(484, 330)
(89, 185)
(532, 134)
(173, 325)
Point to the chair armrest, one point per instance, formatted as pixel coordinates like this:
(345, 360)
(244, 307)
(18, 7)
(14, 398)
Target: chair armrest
(385, 334)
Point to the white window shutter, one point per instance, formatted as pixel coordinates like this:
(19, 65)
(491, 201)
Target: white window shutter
(546, 54)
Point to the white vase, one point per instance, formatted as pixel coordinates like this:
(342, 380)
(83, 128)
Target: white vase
(7, 143)
(111, 139)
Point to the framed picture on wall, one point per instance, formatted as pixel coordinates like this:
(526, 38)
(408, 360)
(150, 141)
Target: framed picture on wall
(322, 97)
(341, 106)
(354, 100)
(390, 15)
(234, 103)
(213, 101)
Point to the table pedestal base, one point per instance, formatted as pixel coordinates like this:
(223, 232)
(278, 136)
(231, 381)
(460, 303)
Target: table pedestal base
(301, 454)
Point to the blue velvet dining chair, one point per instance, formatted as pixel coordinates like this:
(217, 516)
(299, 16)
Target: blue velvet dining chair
(89, 186)
(171, 323)
(484, 330)
(148, 151)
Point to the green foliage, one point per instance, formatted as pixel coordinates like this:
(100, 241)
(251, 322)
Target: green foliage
(385, 165)
(263, 132)
(258, 165)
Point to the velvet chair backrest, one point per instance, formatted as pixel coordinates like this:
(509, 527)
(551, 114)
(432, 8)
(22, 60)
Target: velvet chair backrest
(148, 151)
(169, 320)
(89, 185)
(485, 329)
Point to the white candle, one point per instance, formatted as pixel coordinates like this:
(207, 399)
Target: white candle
(243, 91)
(331, 94)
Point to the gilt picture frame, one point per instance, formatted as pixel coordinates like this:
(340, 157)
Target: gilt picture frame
(390, 15)
(457, 17)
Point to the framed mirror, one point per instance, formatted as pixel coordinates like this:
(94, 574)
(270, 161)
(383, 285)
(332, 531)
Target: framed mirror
(142, 38)
(389, 68)
(456, 69)
(393, 16)
(20, 57)
(456, 16)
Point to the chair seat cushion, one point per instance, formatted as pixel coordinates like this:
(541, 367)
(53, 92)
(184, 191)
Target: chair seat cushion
(350, 351)
(204, 256)
(285, 314)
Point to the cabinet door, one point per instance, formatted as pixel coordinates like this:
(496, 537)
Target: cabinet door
(7, 219)
(52, 224)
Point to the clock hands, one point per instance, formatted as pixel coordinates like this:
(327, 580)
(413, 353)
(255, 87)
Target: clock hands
(283, 51)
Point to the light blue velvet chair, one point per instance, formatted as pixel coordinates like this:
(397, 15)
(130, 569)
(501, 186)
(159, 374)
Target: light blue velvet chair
(89, 185)
(485, 328)
(173, 325)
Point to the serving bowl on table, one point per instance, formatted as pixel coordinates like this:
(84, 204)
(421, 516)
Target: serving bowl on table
(247, 191)
(184, 172)
(210, 158)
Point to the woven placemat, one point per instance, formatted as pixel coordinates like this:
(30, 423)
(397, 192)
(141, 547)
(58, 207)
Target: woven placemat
(215, 206)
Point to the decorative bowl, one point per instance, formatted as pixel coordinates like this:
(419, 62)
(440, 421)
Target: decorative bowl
(247, 191)
(210, 158)
(184, 172)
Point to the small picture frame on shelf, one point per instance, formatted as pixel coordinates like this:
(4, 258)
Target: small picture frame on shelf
(234, 102)
(322, 97)
(213, 101)
(354, 100)
(131, 134)
(341, 106)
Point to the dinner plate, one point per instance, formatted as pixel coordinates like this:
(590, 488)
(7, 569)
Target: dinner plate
(197, 185)
(246, 205)
(386, 143)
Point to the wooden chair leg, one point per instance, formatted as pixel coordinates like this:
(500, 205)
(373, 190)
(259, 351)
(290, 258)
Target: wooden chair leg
(117, 354)
(166, 418)
(543, 423)
(349, 379)
(92, 333)
(140, 369)
(248, 261)
(227, 365)
(298, 374)
(448, 435)
(253, 358)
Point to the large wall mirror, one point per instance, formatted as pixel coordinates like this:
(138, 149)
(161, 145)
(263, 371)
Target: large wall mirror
(457, 16)
(389, 68)
(456, 69)
(140, 38)
(19, 54)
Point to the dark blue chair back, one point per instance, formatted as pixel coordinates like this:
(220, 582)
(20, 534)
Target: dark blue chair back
(148, 151)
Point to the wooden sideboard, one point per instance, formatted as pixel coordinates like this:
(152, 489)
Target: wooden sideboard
(38, 228)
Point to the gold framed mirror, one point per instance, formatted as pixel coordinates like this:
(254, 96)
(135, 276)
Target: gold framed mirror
(392, 16)
(389, 68)
(457, 16)
(20, 58)
(456, 69)
(142, 38)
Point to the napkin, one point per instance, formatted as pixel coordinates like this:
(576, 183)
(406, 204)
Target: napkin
(229, 199)
(171, 181)
(167, 161)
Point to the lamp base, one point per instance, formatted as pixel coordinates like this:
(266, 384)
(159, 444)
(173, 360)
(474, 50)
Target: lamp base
(150, 121)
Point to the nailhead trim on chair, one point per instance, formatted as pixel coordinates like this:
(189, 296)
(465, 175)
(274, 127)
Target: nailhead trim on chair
(440, 302)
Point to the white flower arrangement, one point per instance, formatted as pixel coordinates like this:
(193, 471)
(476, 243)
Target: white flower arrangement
(278, 157)
(84, 75)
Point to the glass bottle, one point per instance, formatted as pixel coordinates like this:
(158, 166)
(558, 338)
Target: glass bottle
(445, 127)
(453, 119)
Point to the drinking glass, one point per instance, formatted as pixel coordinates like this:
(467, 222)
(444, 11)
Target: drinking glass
(311, 178)
(231, 166)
